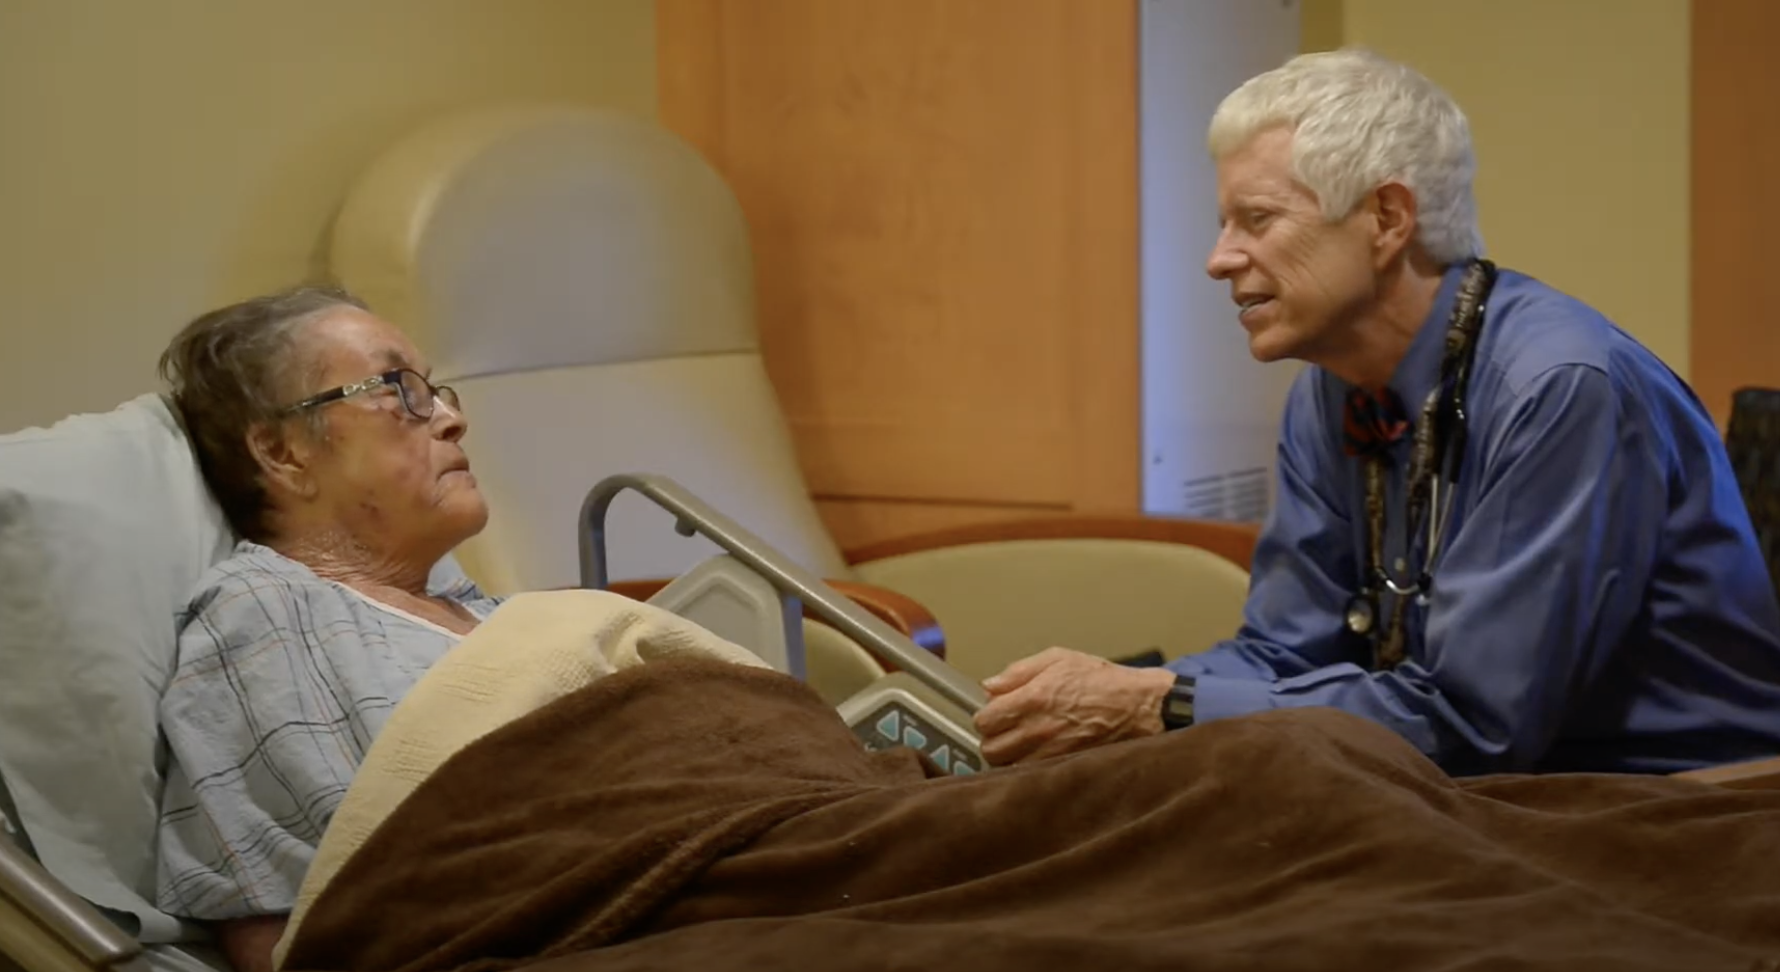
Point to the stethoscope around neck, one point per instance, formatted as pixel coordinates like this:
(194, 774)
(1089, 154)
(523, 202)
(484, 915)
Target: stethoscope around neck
(1439, 448)
(1422, 587)
(1362, 610)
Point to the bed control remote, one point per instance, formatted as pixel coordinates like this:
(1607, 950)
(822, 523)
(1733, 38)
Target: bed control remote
(897, 711)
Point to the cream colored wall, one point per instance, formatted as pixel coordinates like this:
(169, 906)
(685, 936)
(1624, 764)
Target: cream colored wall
(157, 159)
(1579, 110)
(1320, 24)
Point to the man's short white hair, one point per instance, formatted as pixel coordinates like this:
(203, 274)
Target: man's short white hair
(1359, 121)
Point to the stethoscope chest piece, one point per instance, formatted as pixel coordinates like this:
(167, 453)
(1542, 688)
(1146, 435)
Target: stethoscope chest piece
(1361, 615)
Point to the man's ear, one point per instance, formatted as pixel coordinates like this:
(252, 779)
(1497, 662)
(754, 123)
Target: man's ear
(284, 459)
(1394, 212)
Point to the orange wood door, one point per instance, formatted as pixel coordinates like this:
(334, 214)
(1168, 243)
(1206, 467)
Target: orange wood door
(1735, 103)
(943, 201)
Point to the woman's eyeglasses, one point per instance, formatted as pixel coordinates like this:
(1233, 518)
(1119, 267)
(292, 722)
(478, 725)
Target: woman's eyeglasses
(418, 395)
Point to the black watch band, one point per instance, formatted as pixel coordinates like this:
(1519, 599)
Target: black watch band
(1177, 705)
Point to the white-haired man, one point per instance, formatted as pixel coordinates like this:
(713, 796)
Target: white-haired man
(1503, 528)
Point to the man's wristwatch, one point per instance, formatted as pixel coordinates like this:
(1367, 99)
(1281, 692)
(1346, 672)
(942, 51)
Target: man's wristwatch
(1177, 705)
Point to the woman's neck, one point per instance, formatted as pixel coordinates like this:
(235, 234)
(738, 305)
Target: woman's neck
(338, 556)
(334, 555)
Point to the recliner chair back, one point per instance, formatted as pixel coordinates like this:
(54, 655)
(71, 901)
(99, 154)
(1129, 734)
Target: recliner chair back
(583, 279)
(1753, 441)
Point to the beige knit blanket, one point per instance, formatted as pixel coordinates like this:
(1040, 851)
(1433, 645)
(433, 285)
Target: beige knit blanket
(535, 648)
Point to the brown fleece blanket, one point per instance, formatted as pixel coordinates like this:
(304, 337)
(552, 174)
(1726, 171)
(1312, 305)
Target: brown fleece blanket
(701, 816)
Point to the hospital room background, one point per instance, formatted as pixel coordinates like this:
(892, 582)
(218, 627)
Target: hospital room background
(979, 289)
(912, 289)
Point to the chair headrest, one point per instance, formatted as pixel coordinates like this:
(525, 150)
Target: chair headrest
(584, 278)
(590, 218)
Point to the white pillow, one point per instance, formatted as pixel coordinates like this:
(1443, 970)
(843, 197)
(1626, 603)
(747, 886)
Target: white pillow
(105, 525)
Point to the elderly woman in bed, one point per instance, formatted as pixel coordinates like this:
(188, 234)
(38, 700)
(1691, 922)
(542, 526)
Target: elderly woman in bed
(338, 463)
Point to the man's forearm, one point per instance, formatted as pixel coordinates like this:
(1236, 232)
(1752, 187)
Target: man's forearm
(1248, 658)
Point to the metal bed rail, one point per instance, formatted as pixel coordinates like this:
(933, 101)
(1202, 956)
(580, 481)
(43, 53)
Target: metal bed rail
(57, 916)
(695, 517)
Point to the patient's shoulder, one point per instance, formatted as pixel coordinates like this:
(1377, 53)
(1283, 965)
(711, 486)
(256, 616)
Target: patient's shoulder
(252, 569)
(250, 560)
(255, 594)
(259, 598)
(258, 570)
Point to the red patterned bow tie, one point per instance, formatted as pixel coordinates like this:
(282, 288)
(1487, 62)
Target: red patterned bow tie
(1373, 422)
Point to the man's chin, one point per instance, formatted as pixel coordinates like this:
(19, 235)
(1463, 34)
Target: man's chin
(1270, 345)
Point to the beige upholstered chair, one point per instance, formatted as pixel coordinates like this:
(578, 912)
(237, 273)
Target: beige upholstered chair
(584, 279)
(1110, 586)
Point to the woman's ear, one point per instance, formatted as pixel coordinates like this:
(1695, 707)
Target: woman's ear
(1394, 209)
(284, 459)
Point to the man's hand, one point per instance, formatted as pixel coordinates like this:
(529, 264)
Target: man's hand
(1061, 701)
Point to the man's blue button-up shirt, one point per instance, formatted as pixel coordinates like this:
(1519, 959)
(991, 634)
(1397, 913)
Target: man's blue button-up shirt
(1598, 602)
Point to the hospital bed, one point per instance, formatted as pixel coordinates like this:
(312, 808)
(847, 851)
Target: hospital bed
(105, 523)
(566, 270)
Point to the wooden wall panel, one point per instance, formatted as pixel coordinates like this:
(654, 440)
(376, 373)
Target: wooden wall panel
(1735, 105)
(942, 197)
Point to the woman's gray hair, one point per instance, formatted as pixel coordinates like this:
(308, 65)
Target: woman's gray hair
(236, 368)
(1358, 121)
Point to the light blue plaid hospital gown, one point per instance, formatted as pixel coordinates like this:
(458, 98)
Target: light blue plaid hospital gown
(282, 681)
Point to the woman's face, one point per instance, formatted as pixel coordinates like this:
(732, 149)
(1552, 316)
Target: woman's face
(401, 485)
